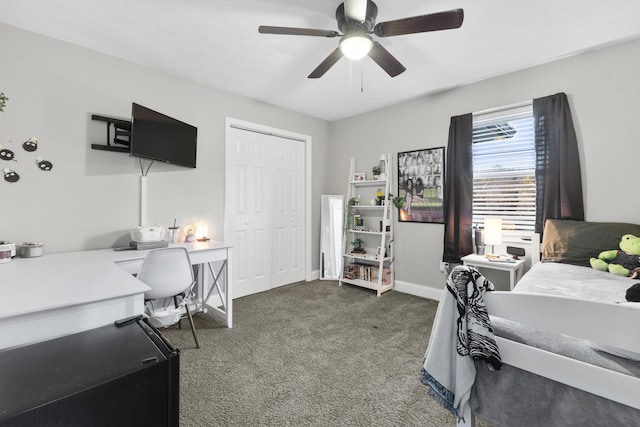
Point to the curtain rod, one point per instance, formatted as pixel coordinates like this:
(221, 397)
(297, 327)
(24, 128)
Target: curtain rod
(504, 107)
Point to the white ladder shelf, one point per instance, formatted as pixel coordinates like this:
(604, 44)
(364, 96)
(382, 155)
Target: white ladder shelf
(371, 224)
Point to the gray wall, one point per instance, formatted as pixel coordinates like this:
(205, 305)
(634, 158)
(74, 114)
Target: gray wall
(604, 93)
(90, 198)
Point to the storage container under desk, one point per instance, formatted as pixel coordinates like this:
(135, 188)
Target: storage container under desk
(109, 376)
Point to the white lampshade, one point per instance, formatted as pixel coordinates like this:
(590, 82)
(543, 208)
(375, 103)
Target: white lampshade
(202, 230)
(356, 46)
(493, 231)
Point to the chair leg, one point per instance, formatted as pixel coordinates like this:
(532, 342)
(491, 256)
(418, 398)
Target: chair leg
(193, 328)
(175, 303)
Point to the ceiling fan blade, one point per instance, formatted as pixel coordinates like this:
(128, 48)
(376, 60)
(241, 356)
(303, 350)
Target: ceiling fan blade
(265, 29)
(385, 60)
(355, 10)
(419, 24)
(326, 64)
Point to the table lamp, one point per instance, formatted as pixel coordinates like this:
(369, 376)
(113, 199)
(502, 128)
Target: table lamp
(492, 232)
(202, 231)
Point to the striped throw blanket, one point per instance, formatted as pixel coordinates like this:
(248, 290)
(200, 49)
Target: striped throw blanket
(461, 333)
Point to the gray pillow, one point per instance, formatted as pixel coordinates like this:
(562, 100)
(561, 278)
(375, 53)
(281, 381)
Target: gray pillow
(575, 242)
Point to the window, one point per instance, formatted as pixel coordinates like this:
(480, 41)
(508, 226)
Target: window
(504, 161)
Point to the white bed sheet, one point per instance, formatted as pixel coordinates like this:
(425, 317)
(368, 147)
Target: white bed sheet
(574, 281)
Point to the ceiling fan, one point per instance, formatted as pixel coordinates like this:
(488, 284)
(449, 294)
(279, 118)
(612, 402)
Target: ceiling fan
(356, 19)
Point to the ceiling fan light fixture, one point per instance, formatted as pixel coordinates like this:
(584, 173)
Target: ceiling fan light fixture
(356, 46)
(356, 39)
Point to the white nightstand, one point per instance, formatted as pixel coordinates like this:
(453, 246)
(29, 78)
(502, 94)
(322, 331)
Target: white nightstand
(515, 268)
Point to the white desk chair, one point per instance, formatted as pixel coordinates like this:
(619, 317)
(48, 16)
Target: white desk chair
(169, 273)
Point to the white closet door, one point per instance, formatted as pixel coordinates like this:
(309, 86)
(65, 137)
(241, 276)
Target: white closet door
(252, 262)
(288, 211)
(269, 222)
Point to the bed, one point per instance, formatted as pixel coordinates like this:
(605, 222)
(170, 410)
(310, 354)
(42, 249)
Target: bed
(567, 338)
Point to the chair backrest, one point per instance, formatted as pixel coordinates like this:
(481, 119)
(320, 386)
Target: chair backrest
(167, 271)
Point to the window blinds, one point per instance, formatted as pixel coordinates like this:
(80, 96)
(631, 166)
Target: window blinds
(504, 168)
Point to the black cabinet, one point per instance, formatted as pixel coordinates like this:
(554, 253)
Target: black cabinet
(109, 376)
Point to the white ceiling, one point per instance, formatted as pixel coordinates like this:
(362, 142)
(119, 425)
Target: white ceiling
(217, 43)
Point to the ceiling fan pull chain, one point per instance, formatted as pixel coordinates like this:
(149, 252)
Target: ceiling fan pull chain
(362, 76)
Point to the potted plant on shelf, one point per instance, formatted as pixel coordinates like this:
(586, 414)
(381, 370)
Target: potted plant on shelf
(357, 248)
(376, 172)
(398, 202)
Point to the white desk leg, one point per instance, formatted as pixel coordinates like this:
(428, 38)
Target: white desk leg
(200, 289)
(221, 282)
(224, 292)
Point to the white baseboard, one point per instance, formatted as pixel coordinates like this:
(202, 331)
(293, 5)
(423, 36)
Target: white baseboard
(405, 287)
(418, 290)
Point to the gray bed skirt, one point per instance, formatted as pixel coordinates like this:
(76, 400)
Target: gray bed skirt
(513, 397)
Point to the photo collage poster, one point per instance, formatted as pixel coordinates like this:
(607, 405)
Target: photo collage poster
(421, 184)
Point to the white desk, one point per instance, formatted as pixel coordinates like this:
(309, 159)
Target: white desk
(65, 293)
(515, 268)
(213, 261)
(61, 294)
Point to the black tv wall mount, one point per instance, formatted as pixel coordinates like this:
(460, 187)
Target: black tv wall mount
(121, 134)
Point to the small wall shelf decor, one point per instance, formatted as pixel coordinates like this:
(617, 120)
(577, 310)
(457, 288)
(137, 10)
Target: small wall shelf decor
(368, 235)
(3, 101)
(13, 174)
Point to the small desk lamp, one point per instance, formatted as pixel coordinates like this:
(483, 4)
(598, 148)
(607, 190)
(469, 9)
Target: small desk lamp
(492, 232)
(202, 230)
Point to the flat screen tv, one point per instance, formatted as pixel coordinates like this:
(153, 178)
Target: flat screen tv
(155, 136)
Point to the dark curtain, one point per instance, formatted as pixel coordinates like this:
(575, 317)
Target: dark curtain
(458, 196)
(558, 179)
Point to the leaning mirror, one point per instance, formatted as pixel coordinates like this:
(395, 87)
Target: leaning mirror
(331, 220)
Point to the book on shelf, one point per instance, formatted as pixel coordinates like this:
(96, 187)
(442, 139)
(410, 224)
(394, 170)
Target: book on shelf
(369, 273)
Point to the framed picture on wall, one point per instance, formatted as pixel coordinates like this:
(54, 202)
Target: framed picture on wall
(421, 184)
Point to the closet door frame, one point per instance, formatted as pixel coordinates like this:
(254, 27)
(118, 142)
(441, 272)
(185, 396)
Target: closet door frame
(230, 177)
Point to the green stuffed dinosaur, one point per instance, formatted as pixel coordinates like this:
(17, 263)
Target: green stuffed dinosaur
(624, 262)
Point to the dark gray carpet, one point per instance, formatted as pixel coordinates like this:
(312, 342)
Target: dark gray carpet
(310, 354)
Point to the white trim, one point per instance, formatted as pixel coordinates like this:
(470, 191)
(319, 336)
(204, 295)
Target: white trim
(269, 131)
(230, 123)
(308, 198)
(419, 290)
